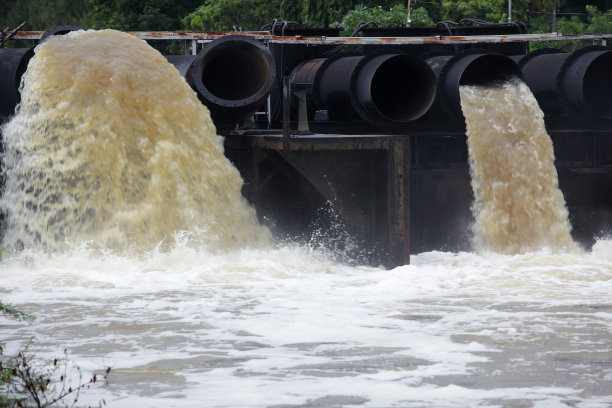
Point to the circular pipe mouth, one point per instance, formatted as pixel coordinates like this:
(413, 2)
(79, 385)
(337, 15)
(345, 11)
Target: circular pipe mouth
(23, 66)
(473, 69)
(483, 69)
(232, 72)
(381, 89)
(395, 88)
(13, 64)
(587, 82)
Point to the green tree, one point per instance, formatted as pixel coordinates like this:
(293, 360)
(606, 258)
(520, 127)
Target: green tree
(291, 10)
(321, 13)
(393, 17)
(222, 15)
(142, 15)
(600, 23)
(545, 4)
(41, 15)
(492, 10)
(488, 10)
(139, 15)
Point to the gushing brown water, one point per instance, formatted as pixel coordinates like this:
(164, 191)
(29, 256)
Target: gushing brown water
(111, 146)
(518, 205)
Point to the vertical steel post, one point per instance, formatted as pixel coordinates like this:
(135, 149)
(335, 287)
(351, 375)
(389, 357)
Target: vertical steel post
(509, 11)
(408, 14)
(398, 191)
(286, 114)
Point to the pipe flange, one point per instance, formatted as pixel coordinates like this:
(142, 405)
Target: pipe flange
(566, 100)
(316, 83)
(372, 113)
(542, 51)
(449, 96)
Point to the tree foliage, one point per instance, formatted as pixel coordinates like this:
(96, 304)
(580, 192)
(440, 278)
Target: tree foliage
(11, 311)
(26, 381)
(393, 17)
(43, 14)
(488, 10)
(491, 10)
(322, 13)
(598, 21)
(142, 15)
(223, 15)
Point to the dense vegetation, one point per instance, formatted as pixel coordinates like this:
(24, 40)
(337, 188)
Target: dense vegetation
(571, 16)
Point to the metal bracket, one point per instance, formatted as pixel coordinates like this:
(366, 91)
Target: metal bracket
(302, 112)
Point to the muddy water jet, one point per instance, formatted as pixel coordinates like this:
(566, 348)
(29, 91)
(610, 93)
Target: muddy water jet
(110, 145)
(518, 205)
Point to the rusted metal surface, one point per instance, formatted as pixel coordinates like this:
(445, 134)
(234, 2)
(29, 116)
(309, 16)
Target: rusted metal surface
(204, 37)
(169, 35)
(398, 198)
(6, 35)
(28, 35)
(266, 36)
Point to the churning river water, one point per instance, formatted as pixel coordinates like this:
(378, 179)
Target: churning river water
(287, 328)
(221, 316)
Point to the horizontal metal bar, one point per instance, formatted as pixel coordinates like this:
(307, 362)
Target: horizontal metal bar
(312, 142)
(320, 40)
(166, 35)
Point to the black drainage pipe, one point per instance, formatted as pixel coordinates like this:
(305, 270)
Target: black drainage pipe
(580, 82)
(13, 64)
(232, 76)
(468, 68)
(382, 90)
(181, 62)
(59, 30)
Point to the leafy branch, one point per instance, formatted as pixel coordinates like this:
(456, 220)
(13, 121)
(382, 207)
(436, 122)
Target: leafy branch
(12, 311)
(23, 383)
(26, 381)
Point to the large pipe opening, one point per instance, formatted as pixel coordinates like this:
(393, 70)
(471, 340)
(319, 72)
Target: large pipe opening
(598, 85)
(13, 64)
(236, 76)
(232, 75)
(380, 89)
(587, 82)
(394, 88)
(579, 82)
(540, 71)
(469, 69)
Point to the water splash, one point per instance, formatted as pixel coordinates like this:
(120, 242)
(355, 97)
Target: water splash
(111, 146)
(518, 204)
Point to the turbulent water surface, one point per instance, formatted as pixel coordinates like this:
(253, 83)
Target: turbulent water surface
(286, 328)
(215, 316)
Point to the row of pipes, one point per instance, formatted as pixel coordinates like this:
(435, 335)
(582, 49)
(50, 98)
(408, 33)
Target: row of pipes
(234, 75)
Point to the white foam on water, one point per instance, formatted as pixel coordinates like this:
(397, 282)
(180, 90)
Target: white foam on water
(286, 327)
